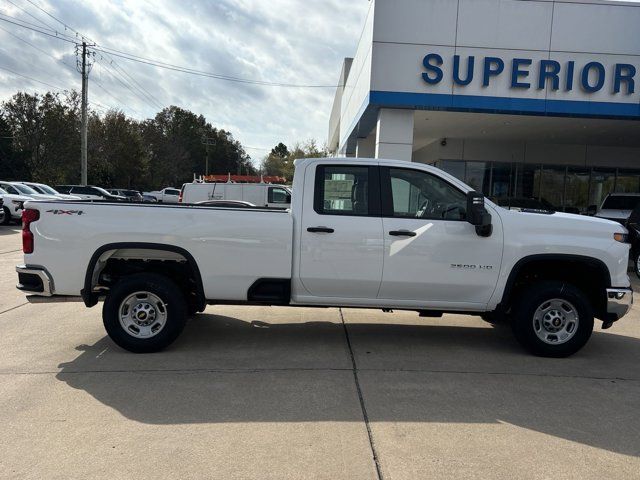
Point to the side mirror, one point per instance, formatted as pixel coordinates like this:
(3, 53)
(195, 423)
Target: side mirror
(592, 210)
(477, 215)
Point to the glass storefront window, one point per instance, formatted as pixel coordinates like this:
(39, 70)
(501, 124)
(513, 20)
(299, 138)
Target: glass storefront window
(552, 185)
(568, 188)
(453, 167)
(527, 184)
(628, 181)
(577, 189)
(501, 180)
(602, 183)
(478, 176)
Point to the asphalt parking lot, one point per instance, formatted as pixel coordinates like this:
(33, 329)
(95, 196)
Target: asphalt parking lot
(272, 393)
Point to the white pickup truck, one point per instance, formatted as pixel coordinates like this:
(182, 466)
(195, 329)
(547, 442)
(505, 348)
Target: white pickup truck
(166, 195)
(361, 233)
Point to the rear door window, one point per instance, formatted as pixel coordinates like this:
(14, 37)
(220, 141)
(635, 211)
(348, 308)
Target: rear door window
(347, 190)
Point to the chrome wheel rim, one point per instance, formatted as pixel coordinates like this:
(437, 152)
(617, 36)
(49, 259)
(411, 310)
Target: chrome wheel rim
(638, 265)
(556, 321)
(143, 315)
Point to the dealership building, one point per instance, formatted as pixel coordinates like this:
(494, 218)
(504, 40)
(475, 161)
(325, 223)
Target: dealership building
(518, 98)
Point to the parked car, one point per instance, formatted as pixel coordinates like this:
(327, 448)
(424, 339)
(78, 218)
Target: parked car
(149, 198)
(444, 249)
(130, 195)
(618, 206)
(17, 188)
(166, 195)
(2, 214)
(47, 190)
(12, 205)
(227, 204)
(90, 192)
(260, 194)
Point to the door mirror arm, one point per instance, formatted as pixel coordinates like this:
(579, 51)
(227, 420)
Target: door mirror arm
(477, 215)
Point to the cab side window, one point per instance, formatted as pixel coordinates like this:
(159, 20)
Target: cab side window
(343, 190)
(418, 194)
(278, 195)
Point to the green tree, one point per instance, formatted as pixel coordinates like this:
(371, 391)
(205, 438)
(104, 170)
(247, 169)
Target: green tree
(279, 163)
(117, 155)
(45, 131)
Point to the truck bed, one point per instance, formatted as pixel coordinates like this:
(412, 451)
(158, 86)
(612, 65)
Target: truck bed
(233, 248)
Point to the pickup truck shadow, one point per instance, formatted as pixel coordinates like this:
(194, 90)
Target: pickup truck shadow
(225, 369)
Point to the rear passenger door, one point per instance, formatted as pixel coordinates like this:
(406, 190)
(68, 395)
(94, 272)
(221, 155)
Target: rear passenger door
(341, 232)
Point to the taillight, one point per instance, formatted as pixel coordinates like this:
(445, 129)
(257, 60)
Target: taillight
(28, 217)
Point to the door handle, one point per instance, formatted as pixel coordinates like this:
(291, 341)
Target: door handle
(320, 230)
(402, 233)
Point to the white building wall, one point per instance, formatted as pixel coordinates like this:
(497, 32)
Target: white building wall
(358, 85)
(536, 29)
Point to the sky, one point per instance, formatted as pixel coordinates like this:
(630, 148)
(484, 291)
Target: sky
(297, 42)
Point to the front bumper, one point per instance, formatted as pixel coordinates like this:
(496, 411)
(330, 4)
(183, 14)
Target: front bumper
(34, 280)
(619, 301)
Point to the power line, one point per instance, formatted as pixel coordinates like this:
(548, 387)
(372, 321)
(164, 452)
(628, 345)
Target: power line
(178, 68)
(117, 69)
(53, 35)
(123, 81)
(36, 47)
(32, 16)
(33, 79)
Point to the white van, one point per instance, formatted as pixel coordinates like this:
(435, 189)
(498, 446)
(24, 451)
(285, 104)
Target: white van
(260, 194)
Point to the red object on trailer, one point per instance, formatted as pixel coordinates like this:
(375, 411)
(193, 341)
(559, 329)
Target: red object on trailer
(243, 179)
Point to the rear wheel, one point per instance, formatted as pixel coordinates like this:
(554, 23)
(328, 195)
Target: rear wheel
(553, 319)
(144, 313)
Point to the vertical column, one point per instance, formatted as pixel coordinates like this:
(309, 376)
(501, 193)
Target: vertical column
(366, 147)
(394, 134)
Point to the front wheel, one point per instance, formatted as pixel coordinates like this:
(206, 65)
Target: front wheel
(144, 313)
(553, 319)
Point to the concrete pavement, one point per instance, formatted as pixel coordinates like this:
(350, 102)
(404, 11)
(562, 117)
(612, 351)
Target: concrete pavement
(261, 393)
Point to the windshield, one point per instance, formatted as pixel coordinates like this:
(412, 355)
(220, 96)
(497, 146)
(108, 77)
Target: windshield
(24, 189)
(47, 189)
(102, 191)
(3, 192)
(621, 202)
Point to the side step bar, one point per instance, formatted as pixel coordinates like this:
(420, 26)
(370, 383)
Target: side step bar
(53, 299)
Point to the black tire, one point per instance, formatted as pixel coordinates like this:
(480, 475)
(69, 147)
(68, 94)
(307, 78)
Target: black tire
(174, 308)
(534, 297)
(5, 219)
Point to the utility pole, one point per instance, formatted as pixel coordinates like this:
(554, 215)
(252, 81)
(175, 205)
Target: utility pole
(206, 141)
(83, 131)
(84, 67)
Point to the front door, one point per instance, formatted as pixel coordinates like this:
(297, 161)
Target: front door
(431, 253)
(341, 233)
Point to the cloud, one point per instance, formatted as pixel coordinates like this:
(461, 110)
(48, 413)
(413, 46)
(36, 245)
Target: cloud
(287, 41)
